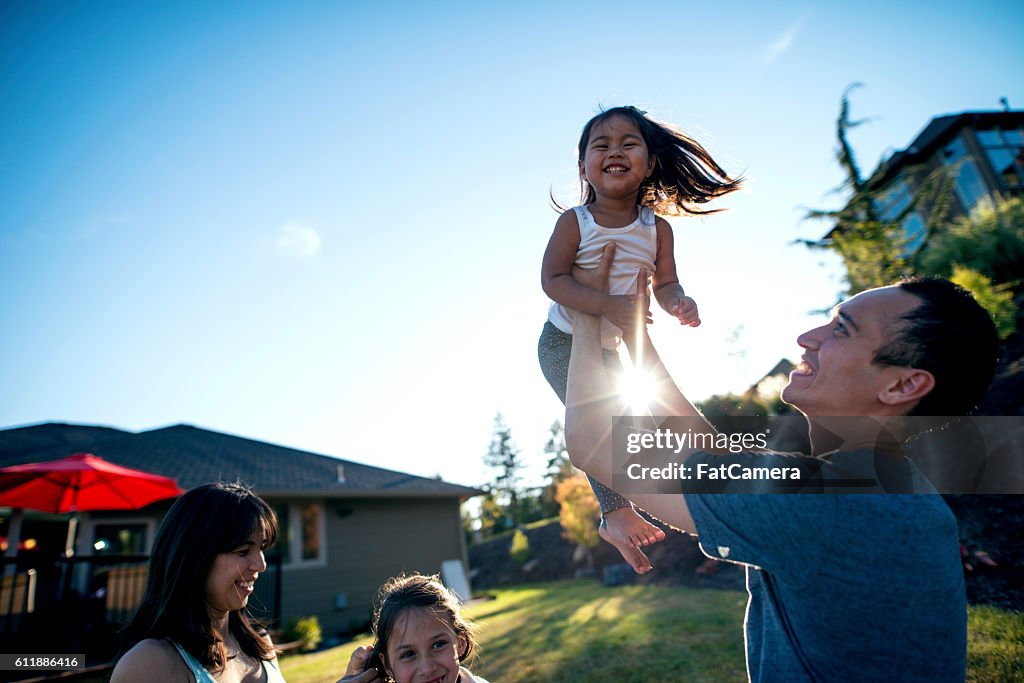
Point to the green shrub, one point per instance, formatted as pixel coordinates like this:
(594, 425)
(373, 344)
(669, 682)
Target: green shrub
(306, 630)
(520, 550)
(996, 299)
(990, 242)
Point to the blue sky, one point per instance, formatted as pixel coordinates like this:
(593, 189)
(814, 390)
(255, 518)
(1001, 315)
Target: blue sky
(321, 225)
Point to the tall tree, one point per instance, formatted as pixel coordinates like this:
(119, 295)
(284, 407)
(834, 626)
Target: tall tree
(559, 465)
(559, 468)
(875, 248)
(504, 457)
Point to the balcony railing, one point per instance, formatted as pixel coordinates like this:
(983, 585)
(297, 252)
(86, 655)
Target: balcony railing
(77, 605)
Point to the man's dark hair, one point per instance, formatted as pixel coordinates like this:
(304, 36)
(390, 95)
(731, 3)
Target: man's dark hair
(951, 336)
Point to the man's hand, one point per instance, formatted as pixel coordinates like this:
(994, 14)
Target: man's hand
(597, 278)
(620, 309)
(635, 328)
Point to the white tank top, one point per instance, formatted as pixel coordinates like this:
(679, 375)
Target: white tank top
(636, 246)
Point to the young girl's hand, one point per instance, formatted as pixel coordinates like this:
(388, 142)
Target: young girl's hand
(685, 309)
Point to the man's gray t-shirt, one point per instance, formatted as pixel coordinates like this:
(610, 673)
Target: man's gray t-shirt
(842, 587)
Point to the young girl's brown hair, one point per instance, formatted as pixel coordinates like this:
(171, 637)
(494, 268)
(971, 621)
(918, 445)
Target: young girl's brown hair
(416, 591)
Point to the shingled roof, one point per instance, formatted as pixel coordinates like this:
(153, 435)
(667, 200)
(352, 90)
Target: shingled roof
(194, 456)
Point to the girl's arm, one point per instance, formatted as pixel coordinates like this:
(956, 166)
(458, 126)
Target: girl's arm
(667, 290)
(559, 284)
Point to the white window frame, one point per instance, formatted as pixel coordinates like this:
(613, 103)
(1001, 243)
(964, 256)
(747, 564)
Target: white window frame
(295, 536)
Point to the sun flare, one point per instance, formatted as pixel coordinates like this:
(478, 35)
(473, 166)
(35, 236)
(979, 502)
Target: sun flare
(637, 390)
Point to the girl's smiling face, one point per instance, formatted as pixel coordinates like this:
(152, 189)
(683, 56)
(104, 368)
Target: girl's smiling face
(616, 160)
(423, 648)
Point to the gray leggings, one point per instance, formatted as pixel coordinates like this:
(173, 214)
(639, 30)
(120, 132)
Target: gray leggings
(553, 350)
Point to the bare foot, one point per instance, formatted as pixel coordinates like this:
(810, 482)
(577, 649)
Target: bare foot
(626, 524)
(628, 532)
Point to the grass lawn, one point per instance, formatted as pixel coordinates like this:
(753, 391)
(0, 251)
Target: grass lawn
(995, 645)
(583, 631)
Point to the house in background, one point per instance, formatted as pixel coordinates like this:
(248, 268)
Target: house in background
(983, 153)
(345, 526)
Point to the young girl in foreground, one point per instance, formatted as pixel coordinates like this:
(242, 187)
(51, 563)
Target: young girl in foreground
(420, 637)
(631, 168)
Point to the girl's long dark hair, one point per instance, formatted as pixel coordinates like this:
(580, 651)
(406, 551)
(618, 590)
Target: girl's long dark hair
(685, 175)
(204, 522)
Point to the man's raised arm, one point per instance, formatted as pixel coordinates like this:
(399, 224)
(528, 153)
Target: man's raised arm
(592, 404)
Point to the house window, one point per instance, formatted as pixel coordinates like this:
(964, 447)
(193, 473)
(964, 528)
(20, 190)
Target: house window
(894, 200)
(1005, 151)
(967, 185)
(119, 539)
(301, 537)
(915, 231)
(311, 523)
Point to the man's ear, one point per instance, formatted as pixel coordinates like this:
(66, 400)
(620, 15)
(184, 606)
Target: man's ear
(910, 385)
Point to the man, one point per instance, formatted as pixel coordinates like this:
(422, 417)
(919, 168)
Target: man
(842, 587)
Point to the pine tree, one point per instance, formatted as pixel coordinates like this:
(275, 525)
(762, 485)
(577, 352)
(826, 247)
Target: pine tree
(559, 468)
(875, 250)
(504, 457)
(559, 465)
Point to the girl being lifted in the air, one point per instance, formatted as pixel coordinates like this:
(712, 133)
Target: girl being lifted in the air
(632, 168)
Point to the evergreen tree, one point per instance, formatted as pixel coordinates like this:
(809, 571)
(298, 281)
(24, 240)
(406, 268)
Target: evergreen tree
(559, 465)
(559, 469)
(875, 250)
(504, 457)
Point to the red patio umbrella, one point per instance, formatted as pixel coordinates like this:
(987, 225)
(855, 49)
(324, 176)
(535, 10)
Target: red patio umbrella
(79, 483)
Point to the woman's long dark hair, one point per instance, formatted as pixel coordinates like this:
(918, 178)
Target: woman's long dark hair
(685, 175)
(204, 522)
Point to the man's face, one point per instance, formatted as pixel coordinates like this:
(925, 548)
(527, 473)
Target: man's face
(836, 375)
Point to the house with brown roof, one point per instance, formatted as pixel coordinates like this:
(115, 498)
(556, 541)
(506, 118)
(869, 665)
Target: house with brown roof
(345, 526)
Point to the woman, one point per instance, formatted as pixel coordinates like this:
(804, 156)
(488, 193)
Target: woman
(192, 624)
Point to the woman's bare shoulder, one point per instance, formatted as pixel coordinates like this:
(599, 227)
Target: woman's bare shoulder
(151, 660)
